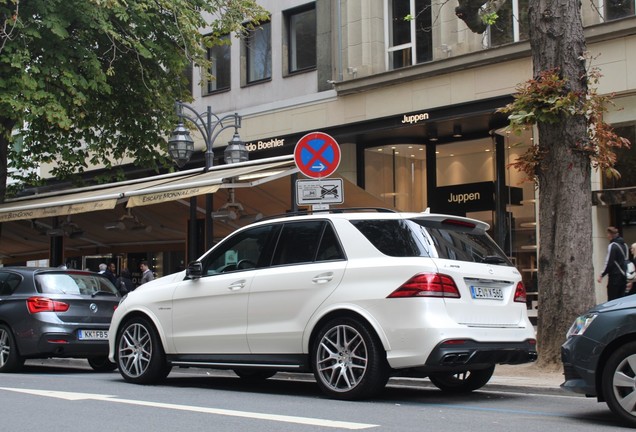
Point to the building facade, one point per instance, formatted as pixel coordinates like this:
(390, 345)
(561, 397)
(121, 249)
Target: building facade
(413, 103)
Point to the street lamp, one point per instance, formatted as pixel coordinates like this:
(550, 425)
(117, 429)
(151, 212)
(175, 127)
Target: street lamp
(181, 147)
(235, 151)
(181, 144)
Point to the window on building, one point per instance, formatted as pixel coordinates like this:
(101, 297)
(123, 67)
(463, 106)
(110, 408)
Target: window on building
(615, 9)
(258, 53)
(511, 25)
(220, 57)
(409, 39)
(301, 38)
(625, 159)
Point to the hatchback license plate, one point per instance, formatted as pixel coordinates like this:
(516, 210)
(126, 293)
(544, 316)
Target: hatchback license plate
(486, 293)
(92, 334)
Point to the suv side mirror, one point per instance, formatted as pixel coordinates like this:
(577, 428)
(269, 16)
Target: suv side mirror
(194, 270)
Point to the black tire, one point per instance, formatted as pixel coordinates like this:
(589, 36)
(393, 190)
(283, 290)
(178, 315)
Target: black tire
(140, 355)
(254, 374)
(10, 360)
(101, 364)
(461, 382)
(618, 383)
(348, 360)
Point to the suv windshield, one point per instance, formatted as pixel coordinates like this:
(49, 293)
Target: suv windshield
(426, 238)
(73, 283)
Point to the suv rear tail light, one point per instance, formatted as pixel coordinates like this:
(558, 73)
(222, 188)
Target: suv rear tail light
(520, 293)
(45, 304)
(427, 285)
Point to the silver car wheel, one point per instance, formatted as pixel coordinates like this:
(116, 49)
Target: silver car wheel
(624, 384)
(5, 347)
(342, 358)
(135, 350)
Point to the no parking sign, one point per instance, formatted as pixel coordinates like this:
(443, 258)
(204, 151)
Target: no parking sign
(317, 155)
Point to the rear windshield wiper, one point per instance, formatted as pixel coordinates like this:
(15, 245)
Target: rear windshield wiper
(493, 259)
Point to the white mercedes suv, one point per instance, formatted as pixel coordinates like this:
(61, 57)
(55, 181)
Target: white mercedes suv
(353, 296)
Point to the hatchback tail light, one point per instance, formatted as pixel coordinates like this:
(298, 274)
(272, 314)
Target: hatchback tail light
(520, 293)
(427, 285)
(45, 304)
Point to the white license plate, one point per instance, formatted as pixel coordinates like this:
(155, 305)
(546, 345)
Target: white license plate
(486, 293)
(92, 334)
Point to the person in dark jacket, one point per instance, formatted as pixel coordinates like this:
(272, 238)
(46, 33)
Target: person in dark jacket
(124, 282)
(616, 252)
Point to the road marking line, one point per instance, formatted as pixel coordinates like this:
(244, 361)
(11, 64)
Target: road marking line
(245, 414)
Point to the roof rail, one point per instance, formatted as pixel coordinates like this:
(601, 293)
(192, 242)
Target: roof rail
(331, 210)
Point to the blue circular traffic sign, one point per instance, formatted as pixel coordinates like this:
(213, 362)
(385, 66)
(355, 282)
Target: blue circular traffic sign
(317, 155)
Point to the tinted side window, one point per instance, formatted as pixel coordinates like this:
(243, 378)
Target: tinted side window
(298, 242)
(8, 283)
(392, 237)
(241, 252)
(330, 248)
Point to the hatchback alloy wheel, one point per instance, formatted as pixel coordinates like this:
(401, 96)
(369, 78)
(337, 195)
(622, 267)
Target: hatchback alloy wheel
(10, 360)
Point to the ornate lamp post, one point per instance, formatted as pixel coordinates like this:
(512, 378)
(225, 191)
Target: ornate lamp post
(181, 147)
(181, 144)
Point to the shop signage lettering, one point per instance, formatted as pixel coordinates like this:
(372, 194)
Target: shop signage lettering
(411, 119)
(464, 198)
(265, 145)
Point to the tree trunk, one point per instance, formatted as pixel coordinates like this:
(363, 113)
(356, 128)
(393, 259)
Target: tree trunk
(566, 275)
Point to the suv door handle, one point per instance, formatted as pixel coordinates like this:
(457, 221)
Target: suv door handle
(235, 286)
(323, 278)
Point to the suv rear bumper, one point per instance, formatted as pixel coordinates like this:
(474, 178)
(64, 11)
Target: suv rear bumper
(466, 353)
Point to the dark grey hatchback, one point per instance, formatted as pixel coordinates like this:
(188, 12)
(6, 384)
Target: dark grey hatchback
(599, 356)
(50, 312)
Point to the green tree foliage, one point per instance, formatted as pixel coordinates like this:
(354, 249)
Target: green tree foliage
(86, 82)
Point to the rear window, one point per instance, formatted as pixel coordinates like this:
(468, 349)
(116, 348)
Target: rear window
(73, 283)
(421, 237)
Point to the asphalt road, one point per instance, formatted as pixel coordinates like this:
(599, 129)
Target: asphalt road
(71, 398)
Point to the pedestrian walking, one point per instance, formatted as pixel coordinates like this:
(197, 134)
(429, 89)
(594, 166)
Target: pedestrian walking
(111, 272)
(631, 284)
(616, 255)
(124, 282)
(147, 275)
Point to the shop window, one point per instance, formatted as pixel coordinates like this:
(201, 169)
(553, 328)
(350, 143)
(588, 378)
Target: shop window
(258, 53)
(220, 57)
(615, 9)
(511, 25)
(409, 40)
(396, 174)
(301, 38)
(625, 159)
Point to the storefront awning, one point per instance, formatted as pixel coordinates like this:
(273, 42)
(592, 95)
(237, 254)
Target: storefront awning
(207, 182)
(151, 190)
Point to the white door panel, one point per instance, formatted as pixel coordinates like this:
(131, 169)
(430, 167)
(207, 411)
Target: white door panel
(210, 314)
(282, 299)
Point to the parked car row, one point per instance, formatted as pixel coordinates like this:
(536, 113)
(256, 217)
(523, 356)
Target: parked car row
(353, 297)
